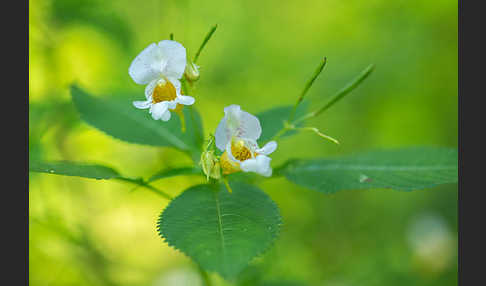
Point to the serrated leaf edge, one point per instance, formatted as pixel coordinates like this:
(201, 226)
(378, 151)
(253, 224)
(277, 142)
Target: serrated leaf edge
(264, 249)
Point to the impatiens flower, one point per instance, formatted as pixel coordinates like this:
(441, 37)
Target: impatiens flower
(161, 66)
(237, 135)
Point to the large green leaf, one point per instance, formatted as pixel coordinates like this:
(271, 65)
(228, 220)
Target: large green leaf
(404, 169)
(272, 120)
(221, 231)
(67, 168)
(118, 118)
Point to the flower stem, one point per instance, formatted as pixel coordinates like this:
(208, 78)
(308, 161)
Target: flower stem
(319, 133)
(282, 131)
(307, 87)
(225, 181)
(206, 39)
(183, 121)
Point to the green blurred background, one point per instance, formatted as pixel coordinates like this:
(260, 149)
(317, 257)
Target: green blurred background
(88, 232)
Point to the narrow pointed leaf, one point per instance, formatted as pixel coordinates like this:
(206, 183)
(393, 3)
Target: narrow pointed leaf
(221, 231)
(404, 169)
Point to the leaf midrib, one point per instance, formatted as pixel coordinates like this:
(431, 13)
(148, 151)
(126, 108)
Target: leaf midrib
(220, 221)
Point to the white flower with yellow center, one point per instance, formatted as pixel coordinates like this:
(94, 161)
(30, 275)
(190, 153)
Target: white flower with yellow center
(160, 66)
(237, 135)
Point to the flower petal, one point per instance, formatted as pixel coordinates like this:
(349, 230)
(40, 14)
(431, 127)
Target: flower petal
(165, 116)
(149, 89)
(175, 55)
(159, 109)
(269, 148)
(143, 67)
(247, 125)
(260, 165)
(238, 123)
(142, 104)
(186, 100)
(222, 135)
(172, 104)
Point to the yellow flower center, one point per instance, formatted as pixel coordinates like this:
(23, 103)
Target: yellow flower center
(240, 152)
(164, 92)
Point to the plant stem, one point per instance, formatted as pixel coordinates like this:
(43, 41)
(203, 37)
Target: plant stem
(226, 183)
(206, 39)
(280, 133)
(289, 125)
(307, 87)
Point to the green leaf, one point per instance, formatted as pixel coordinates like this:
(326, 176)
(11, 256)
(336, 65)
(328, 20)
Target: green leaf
(404, 169)
(221, 231)
(119, 118)
(91, 171)
(175, 172)
(74, 169)
(272, 120)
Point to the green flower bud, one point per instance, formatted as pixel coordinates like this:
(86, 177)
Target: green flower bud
(191, 72)
(210, 165)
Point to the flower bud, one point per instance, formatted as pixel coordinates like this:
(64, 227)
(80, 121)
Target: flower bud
(210, 165)
(191, 72)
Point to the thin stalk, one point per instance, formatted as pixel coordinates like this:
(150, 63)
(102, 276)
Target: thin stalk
(226, 183)
(206, 39)
(288, 127)
(319, 133)
(335, 98)
(280, 133)
(183, 121)
(307, 87)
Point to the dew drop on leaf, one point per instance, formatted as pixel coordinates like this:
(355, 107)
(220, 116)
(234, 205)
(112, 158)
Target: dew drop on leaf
(363, 178)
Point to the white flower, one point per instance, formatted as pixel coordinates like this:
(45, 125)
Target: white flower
(237, 135)
(160, 66)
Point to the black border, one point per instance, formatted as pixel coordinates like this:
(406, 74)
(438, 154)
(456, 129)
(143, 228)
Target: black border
(471, 238)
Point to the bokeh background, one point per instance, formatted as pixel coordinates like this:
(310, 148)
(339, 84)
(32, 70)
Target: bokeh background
(88, 232)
